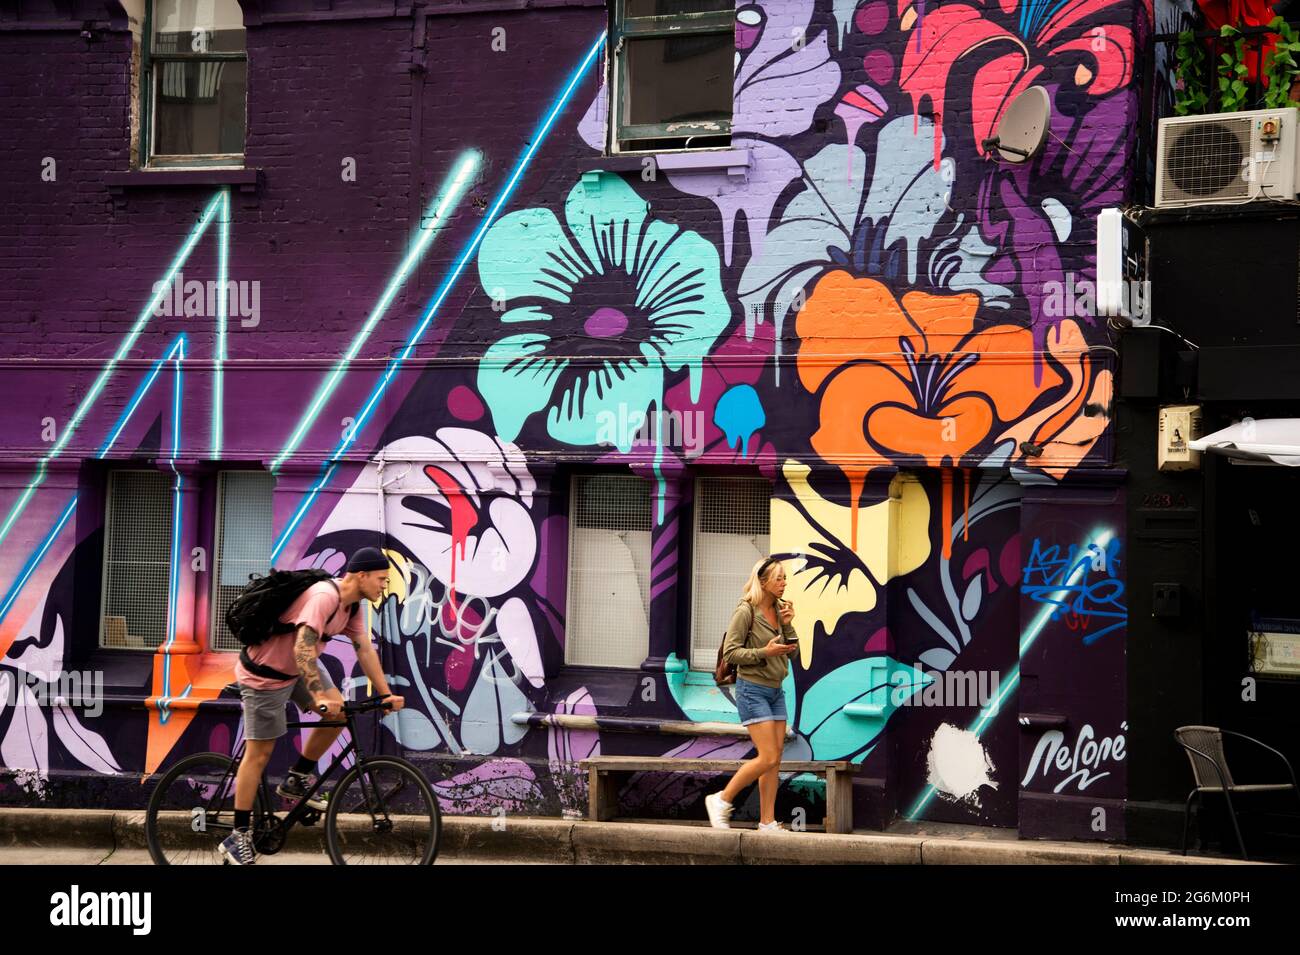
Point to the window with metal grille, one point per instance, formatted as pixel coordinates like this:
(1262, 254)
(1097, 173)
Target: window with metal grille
(732, 528)
(137, 560)
(608, 621)
(243, 543)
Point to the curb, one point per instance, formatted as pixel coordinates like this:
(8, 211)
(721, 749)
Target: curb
(602, 843)
(487, 838)
(828, 849)
(51, 828)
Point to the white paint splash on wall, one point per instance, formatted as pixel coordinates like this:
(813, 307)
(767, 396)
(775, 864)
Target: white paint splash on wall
(958, 764)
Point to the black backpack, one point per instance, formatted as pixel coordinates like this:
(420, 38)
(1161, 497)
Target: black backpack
(254, 617)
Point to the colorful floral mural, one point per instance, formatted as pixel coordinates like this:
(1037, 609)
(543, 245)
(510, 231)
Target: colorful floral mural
(858, 317)
(661, 302)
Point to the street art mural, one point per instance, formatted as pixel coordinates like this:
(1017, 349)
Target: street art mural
(1079, 584)
(861, 319)
(1074, 624)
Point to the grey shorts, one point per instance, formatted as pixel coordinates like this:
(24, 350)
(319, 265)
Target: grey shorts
(264, 716)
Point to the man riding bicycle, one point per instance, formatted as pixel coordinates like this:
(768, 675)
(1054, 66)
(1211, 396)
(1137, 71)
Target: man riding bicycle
(284, 667)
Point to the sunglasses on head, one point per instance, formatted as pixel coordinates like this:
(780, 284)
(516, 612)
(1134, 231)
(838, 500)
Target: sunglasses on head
(763, 568)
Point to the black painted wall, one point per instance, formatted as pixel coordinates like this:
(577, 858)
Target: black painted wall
(1226, 281)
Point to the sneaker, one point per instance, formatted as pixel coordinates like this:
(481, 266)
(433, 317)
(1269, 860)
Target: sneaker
(772, 827)
(719, 811)
(295, 786)
(237, 849)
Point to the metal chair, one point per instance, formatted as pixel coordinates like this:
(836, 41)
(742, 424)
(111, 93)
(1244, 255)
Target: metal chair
(1204, 746)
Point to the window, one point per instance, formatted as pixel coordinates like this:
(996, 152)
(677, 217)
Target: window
(609, 571)
(195, 76)
(673, 71)
(732, 526)
(243, 544)
(137, 560)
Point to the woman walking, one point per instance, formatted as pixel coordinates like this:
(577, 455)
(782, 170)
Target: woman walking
(758, 642)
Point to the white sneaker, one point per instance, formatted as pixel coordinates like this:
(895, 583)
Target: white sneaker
(719, 811)
(771, 827)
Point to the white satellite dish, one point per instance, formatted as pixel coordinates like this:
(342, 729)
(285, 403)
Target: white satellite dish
(1023, 128)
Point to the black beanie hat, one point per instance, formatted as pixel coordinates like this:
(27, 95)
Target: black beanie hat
(367, 558)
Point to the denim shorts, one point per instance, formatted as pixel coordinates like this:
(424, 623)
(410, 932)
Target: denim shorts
(758, 703)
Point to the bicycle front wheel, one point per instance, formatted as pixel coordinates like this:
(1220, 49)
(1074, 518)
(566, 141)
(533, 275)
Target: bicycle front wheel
(192, 809)
(383, 813)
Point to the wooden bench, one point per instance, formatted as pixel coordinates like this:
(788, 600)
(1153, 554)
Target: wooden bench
(603, 774)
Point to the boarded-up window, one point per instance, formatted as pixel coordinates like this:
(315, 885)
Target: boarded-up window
(243, 543)
(608, 620)
(137, 559)
(732, 526)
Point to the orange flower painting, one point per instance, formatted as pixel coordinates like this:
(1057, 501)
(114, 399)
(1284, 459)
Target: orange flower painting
(924, 380)
(922, 385)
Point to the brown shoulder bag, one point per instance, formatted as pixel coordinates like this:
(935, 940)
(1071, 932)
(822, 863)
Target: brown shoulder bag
(724, 674)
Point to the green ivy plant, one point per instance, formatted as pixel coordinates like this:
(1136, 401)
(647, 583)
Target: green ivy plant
(1282, 66)
(1190, 97)
(1232, 71)
(1281, 70)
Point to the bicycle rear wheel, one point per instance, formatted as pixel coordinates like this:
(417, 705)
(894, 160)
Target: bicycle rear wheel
(383, 813)
(192, 809)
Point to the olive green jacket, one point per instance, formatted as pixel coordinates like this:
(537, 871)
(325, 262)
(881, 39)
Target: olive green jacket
(743, 647)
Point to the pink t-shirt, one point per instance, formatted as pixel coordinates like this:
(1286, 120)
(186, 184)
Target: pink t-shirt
(318, 607)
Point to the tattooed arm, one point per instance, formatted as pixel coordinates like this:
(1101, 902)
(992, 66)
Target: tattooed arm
(304, 654)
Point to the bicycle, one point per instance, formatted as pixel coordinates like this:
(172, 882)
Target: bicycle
(383, 807)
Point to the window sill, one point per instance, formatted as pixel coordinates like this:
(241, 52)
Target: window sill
(248, 180)
(735, 162)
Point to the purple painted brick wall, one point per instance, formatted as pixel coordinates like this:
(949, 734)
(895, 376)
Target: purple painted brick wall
(916, 259)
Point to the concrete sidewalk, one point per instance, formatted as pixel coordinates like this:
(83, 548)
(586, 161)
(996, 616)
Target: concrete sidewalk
(56, 835)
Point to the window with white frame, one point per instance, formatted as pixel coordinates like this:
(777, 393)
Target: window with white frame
(732, 533)
(137, 560)
(194, 80)
(673, 68)
(243, 541)
(608, 616)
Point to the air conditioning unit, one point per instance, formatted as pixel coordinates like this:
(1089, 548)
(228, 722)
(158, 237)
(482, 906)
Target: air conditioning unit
(1226, 158)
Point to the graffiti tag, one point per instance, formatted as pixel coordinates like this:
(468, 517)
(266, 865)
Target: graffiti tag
(1082, 583)
(425, 611)
(1081, 761)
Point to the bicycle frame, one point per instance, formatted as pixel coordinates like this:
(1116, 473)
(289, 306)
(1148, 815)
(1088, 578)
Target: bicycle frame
(363, 816)
(300, 809)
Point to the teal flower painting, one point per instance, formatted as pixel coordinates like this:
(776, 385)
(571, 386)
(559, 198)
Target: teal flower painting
(645, 294)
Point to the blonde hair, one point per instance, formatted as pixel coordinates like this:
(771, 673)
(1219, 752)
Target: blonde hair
(753, 589)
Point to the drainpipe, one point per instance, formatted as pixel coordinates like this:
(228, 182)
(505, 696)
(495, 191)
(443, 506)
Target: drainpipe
(382, 527)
